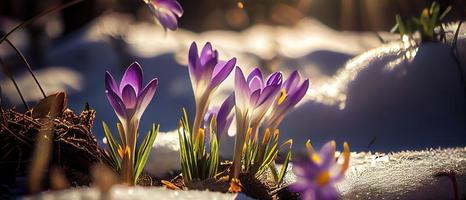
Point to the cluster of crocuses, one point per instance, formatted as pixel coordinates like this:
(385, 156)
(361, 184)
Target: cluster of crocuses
(260, 103)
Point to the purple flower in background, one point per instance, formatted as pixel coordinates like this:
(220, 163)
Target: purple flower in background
(292, 91)
(253, 98)
(166, 12)
(317, 174)
(129, 99)
(206, 73)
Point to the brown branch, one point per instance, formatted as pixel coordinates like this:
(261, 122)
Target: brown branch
(8, 74)
(28, 66)
(44, 13)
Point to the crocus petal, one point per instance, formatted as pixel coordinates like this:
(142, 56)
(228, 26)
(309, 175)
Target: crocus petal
(117, 104)
(110, 83)
(256, 72)
(255, 84)
(299, 186)
(292, 81)
(222, 70)
(207, 70)
(327, 154)
(166, 18)
(327, 192)
(241, 90)
(171, 5)
(268, 94)
(254, 98)
(310, 194)
(194, 63)
(297, 95)
(303, 168)
(274, 78)
(132, 76)
(223, 121)
(207, 53)
(207, 119)
(128, 95)
(146, 96)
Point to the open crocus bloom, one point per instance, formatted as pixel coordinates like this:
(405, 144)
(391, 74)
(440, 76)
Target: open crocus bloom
(292, 91)
(166, 12)
(317, 175)
(253, 98)
(206, 73)
(129, 99)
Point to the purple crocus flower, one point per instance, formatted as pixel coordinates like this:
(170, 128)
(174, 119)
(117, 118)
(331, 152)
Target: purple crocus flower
(166, 12)
(129, 99)
(317, 174)
(206, 73)
(253, 98)
(292, 91)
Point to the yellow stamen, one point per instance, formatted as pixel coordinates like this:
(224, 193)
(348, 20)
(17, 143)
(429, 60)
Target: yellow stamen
(128, 151)
(266, 137)
(323, 178)
(200, 140)
(120, 152)
(316, 158)
(425, 12)
(309, 148)
(282, 97)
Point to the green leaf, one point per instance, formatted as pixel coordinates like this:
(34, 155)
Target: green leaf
(113, 146)
(144, 149)
(213, 154)
(284, 168)
(121, 131)
(445, 12)
(274, 172)
(394, 28)
(401, 25)
(198, 161)
(183, 154)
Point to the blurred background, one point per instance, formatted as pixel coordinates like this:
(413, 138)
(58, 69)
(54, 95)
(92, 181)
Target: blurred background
(411, 107)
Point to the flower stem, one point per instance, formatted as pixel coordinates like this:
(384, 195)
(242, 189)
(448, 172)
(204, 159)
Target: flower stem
(127, 168)
(241, 129)
(201, 108)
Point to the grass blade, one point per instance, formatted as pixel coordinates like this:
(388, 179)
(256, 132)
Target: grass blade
(144, 150)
